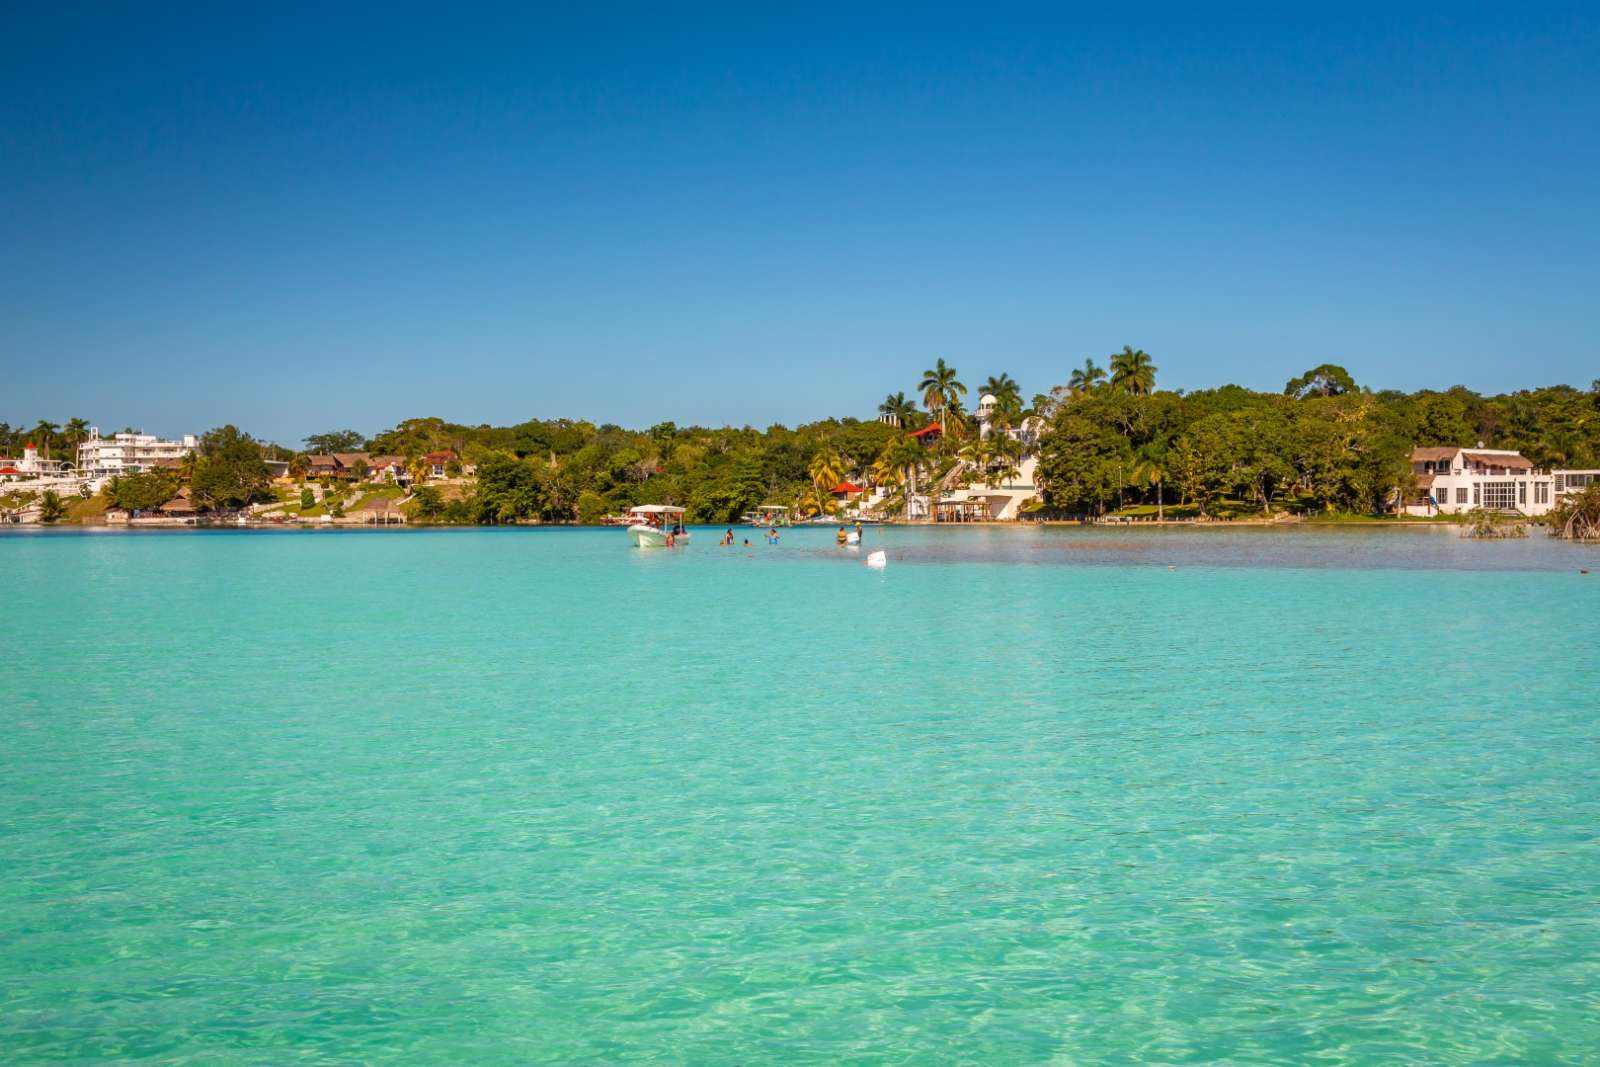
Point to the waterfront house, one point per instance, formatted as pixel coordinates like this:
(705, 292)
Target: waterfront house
(336, 465)
(388, 469)
(929, 435)
(438, 462)
(1453, 479)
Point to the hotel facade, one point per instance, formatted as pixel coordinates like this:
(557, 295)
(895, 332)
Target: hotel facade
(129, 453)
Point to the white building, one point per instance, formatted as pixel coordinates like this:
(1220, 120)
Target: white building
(30, 466)
(1452, 480)
(129, 453)
(1004, 500)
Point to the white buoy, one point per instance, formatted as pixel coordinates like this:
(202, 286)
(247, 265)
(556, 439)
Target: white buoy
(877, 560)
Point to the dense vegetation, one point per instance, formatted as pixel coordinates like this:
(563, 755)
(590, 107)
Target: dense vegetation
(1107, 437)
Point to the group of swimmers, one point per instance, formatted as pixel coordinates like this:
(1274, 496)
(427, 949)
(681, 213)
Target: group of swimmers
(844, 537)
(727, 538)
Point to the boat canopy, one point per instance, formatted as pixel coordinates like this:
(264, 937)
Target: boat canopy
(772, 507)
(655, 509)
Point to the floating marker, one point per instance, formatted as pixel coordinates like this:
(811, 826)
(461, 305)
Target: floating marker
(877, 560)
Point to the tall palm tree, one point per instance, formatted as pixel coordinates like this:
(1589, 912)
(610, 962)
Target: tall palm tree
(941, 389)
(1148, 470)
(1133, 372)
(1003, 388)
(826, 469)
(901, 407)
(1085, 378)
(903, 453)
(75, 434)
(42, 433)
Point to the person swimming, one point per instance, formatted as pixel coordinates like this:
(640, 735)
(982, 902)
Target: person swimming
(727, 538)
(842, 537)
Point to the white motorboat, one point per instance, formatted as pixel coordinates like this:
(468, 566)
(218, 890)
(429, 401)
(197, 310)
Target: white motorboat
(769, 515)
(656, 526)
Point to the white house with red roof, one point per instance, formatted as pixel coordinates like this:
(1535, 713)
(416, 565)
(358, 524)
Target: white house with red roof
(30, 466)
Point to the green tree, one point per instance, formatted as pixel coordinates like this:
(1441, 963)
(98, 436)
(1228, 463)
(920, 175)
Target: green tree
(427, 504)
(75, 433)
(43, 433)
(1003, 388)
(51, 509)
(1081, 465)
(941, 389)
(1085, 378)
(592, 507)
(308, 499)
(229, 471)
(1328, 379)
(1133, 372)
(141, 492)
(901, 407)
(335, 441)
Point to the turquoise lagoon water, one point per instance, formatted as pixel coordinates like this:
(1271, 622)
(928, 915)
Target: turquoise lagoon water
(1026, 796)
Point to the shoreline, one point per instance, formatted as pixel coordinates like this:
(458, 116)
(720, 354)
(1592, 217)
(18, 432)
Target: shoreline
(1168, 524)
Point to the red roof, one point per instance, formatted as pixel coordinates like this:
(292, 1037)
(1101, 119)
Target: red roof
(845, 487)
(932, 427)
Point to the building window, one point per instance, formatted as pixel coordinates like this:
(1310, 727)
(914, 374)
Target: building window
(1541, 492)
(1475, 500)
(1461, 494)
(1522, 493)
(1561, 482)
(1499, 496)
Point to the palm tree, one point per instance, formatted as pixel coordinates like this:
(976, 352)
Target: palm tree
(977, 454)
(43, 432)
(51, 509)
(75, 434)
(901, 407)
(818, 501)
(1133, 372)
(941, 389)
(826, 468)
(1005, 460)
(903, 454)
(1086, 377)
(1147, 470)
(1003, 388)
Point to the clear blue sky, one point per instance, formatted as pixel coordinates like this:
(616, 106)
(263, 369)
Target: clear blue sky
(297, 220)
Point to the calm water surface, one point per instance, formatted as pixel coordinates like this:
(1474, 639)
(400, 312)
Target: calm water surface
(1025, 796)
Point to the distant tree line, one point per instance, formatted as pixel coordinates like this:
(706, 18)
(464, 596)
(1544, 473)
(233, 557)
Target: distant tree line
(1106, 437)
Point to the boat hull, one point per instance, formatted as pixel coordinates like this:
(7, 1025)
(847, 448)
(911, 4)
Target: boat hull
(647, 536)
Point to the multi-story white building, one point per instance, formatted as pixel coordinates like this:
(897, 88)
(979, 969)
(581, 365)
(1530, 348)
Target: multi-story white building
(129, 453)
(1451, 480)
